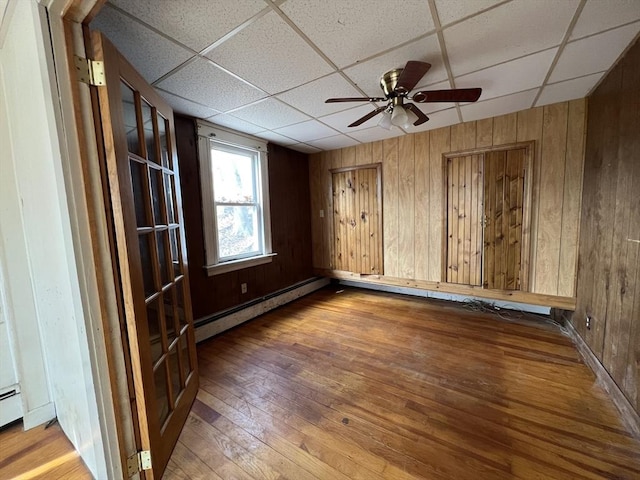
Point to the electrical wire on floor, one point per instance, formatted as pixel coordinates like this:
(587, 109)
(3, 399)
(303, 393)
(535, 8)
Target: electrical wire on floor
(507, 312)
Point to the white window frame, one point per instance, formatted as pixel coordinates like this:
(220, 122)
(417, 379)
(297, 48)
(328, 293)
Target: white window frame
(214, 264)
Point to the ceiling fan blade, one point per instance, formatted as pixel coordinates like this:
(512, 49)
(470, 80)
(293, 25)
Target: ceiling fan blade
(369, 115)
(455, 95)
(355, 99)
(411, 74)
(418, 113)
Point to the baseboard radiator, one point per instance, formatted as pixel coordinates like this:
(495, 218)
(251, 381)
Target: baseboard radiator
(209, 326)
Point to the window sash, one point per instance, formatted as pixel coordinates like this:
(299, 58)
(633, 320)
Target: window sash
(209, 136)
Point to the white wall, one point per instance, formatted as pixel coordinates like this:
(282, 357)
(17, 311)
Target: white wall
(46, 308)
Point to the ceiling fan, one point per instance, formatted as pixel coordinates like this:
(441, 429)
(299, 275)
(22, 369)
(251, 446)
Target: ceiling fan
(396, 85)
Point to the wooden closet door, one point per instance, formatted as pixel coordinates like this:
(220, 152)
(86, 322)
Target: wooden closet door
(464, 219)
(503, 209)
(357, 219)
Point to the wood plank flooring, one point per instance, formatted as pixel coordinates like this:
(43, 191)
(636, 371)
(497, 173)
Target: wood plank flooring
(39, 453)
(364, 385)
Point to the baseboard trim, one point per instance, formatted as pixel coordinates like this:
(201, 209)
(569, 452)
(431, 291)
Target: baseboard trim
(224, 321)
(39, 415)
(630, 417)
(417, 292)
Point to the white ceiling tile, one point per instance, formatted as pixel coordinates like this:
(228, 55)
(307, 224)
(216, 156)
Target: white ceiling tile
(205, 83)
(194, 23)
(276, 138)
(270, 114)
(304, 148)
(306, 131)
(568, 90)
(376, 133)
(341, 120)
(439, 119)
(151, 54)
(509, 31)
(599, 15)
(235, 123)
(451, 10)
(367, 75)
(351, 31)
(274, 57)
(311, 96)
(515, 76)
(181, 105)
(498, 106)
(593, 54)
(337, 141)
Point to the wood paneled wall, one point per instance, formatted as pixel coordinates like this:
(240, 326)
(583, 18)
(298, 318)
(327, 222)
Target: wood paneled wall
(290, 229)
(413, 185)
(609, 258)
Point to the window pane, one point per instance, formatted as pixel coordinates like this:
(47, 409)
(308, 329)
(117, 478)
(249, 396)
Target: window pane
(149, 138)
(169, 317)
(147, 266)
(165, 268)
(156, 196)
(233, 176)
(168, 192)
(153, 319)
(164, 149)
(138, 179)
(175, 249)
(237, 230)
(130, 124)
(162, 393)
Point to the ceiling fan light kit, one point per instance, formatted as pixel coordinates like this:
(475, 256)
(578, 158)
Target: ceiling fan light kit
(396, 85)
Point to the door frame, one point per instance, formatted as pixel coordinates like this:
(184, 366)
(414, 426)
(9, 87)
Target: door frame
(80, 156)
(527, 204)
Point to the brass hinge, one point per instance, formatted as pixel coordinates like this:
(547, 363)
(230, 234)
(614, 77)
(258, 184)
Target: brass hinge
(138, 462)
(89, 71)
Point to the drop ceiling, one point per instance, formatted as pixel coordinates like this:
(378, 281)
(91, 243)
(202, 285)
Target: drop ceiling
(265, 67)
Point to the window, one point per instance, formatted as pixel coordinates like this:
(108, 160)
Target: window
(235, 210)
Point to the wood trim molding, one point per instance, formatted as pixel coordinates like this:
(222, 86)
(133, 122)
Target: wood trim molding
(565, 303)
(494, 148)
(377, 165)
(630, 417)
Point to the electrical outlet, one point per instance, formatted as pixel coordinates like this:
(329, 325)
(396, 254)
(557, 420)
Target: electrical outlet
(321, 213)
(243, 288)
(588, 322)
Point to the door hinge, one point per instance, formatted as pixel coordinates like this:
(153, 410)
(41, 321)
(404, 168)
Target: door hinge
(89, 71)
(138, 462)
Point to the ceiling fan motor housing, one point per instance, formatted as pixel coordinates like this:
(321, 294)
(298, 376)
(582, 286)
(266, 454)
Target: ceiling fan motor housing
(389, 81)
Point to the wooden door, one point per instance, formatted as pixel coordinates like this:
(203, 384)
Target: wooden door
(504, 190)
(464, 219)
(144, 189)
(357, 220)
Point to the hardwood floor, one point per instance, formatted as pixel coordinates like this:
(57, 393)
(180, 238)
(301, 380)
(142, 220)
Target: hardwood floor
(362, 385)
(39, 453)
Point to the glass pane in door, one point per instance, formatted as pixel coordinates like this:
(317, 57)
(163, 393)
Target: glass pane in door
(157, 196)
(162, 391)
(149, 136)
(174, 372)
(129, 116)
(155, 338)
(169, 316)
(162, 137)
(138, 182)
(147, 268)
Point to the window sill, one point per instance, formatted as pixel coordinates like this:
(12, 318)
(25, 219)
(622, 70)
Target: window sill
(238, 264)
